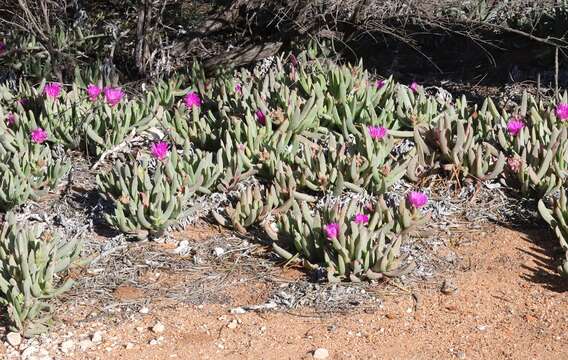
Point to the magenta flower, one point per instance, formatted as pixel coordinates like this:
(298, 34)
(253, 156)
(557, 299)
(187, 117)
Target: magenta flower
(514, 126)
(160, 150)
(361, 218)
(332, 230)
(39, 135)
(377, 132)
(10, 119)
(52, 90)
(414, 86)
(417, 199)
(239, 89)
(192, 99)
(260, 117)
(379, 84)
(2, 48)
(562, 112)
(113, 95)
(94, 91)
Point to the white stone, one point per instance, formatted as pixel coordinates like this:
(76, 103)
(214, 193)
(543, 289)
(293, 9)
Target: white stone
(97, 337)
(158, 328)
(85, 345)
(218, 251)
(14, 339)
(321, 354)
(129, 346)
(67, 346)
(144, 310)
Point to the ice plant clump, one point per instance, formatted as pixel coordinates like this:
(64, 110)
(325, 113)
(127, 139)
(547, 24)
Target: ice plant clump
(414, 86)
(113, 95)
(377, 132)
(160, 150)
(260, 117)
(39, 135)
(192, 99)
(332, 230)
(93, 91)
(562, 112)
(417, 199)
(514, 126)
(379, 84)
(10, 119)
(361, 218)
(52, 90)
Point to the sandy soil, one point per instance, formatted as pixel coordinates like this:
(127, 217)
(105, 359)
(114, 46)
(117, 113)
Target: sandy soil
(508, 305)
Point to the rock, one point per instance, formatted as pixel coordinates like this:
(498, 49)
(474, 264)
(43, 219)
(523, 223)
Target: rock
(218, 251)
(238, 310)
(85, 345)
(129, 346)
(144, 310)
(153, 342)
(14, 339)
(232, 324)
(67, 346)
(321, 353)
(461, 355)
(97, 337)
(28, 352)
(482, 327)
(448, 287)
(139, 328)
(158, 328)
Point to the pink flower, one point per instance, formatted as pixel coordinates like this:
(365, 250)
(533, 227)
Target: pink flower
(39, 135)
(361, 218)
(562, 112)
(192, 99)
(379, 84)
(2, 48)
(260, 117)
(332, 230)
(94, 91)
(377, 132)
(414, 86)
(52, 90)
(113, 95)
(239, 89)
(514, 126)
(417, 199)
(160, 150)
(10, 119)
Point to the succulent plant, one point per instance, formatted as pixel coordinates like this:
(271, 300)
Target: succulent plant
(342, 239)
(146, 201)
(557, 218)
(30, 261)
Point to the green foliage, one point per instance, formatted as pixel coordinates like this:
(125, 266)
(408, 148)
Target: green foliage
(30, 261)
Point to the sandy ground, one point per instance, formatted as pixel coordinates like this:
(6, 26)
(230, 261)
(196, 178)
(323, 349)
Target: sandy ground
(508, 305)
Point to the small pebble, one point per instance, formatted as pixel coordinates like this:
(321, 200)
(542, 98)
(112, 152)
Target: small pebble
(144, 310)
(97, 337)
(158, 328)
(14, 339)
(321, 354)
(67, 346)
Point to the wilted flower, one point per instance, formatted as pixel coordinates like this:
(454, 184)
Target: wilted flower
(414, 86)
(377, 132)
(39, 135)
(113, 95)
(361, 218)
(260, 117)
(514, 163)
(332, 230)
(160, 150)
(10, 119)
(52, 90)
(93, 91)
(379, 84)
(514, 126)
(562, 112)
(239, 89)
(293, 60)
(192, 99)
(417, 199)
(23, 101)
(2, 48)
